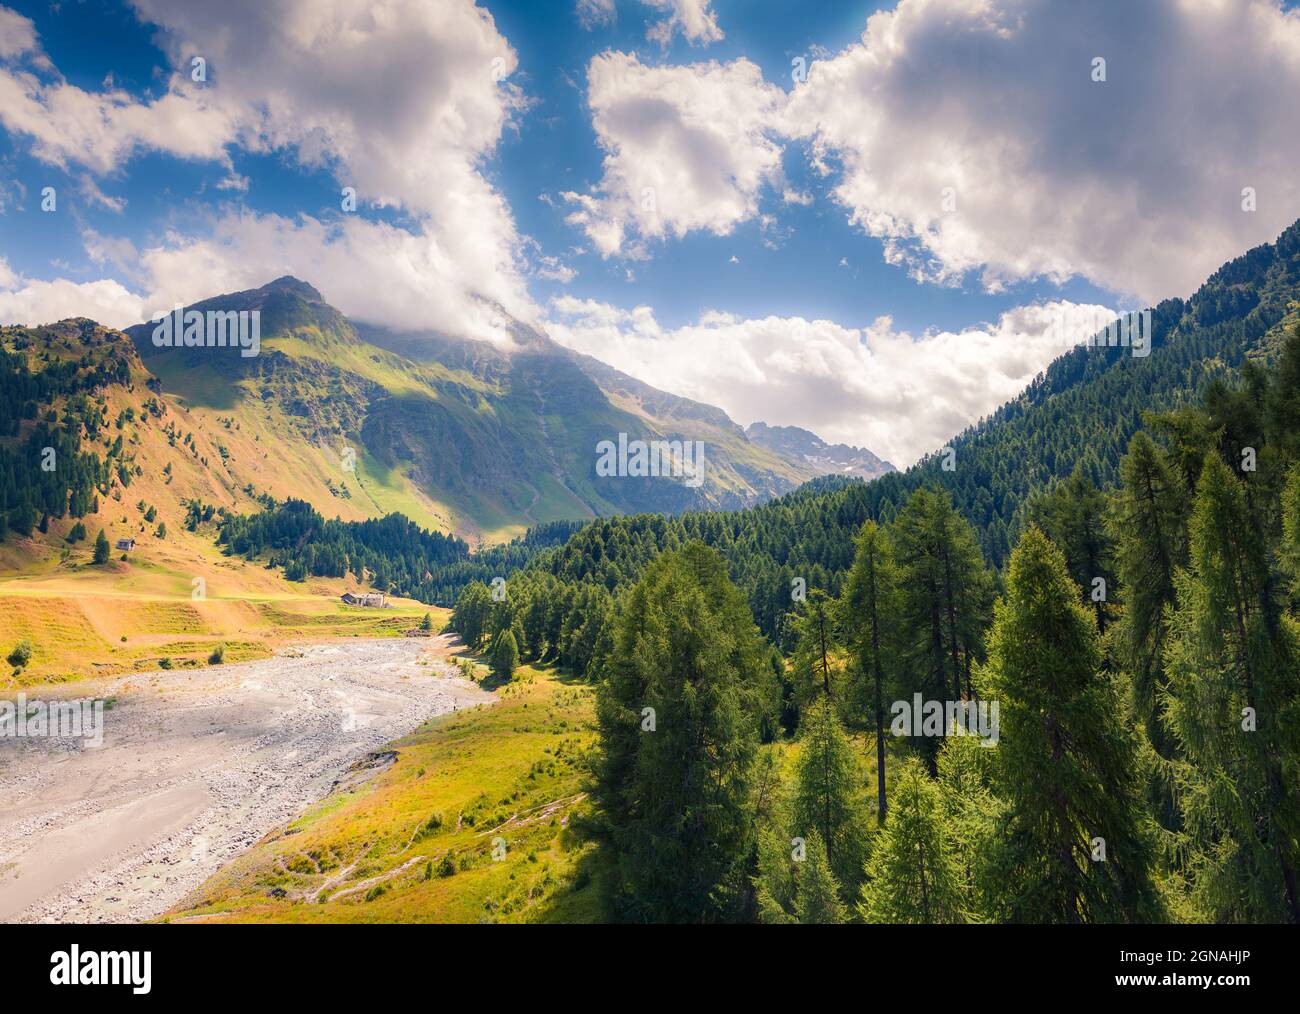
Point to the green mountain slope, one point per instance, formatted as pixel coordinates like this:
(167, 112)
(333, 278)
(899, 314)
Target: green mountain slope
(460, 436)
(1081, 412)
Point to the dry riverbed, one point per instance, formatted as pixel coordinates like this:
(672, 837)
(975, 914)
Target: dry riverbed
(198, 765)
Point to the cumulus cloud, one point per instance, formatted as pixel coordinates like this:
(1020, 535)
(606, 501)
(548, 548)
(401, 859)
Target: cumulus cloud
(901, 395)
(101, 130)
(401, 100)
(687, 148)
(372, 271)
(30, 301)
(971, 136)
(693, 18)
(17, 33)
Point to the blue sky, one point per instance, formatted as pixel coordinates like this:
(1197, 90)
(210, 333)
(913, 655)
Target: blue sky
(797, 264)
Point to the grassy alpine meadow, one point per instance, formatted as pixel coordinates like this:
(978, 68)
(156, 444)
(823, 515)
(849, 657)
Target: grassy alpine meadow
(471, 823)
(76, 633)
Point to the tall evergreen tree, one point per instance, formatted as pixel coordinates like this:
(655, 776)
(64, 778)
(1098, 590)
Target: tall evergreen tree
(819, 891)
(813, 664)
(912, 874)
(1065, 761)
(869, 606)
(101, 547)
(505, 655)
(943, 603)
(470, 617)
(1073, 515)
(972, 815)
(678, 717)
(1233, 704)
(1149, 522)
(828, 793)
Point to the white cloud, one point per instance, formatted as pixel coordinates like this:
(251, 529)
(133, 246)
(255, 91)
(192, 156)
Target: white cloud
(1134, 183)
(693, 18)
(687, 148)
(900, 395)
(594, 13)
(17, 33)
(101, 130)
(372, 271)
(90, 191)
(26, 301)
(402, 100)
(116, 252)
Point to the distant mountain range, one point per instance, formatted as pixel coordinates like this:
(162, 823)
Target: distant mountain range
(462, 436)
(795, 444)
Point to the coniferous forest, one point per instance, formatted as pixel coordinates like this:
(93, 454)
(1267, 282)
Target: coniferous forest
(1141, 645)
(1057, 682)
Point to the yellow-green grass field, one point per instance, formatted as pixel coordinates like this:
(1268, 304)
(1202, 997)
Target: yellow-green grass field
(416, 843)
(470, 824)
(79, 630)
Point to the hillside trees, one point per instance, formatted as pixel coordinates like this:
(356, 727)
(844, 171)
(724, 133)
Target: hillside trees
(678, 714)
(1232, 704)
(1074, 847)
(828, 795)
(943, 601)
(869, 605)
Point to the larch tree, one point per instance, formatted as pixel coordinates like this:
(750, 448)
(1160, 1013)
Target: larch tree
(912, 874)
(1076, 842)
(828, 793)
(678, 716)
(869, 603)
(943, 602)
(1232, 704)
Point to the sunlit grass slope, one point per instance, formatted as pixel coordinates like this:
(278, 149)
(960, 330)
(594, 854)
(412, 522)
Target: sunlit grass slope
(470, 824)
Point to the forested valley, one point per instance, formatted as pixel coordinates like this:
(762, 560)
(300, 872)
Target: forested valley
(1141, 647)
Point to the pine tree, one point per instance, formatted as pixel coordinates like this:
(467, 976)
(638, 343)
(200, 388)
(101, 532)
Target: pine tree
(1149, 521)
(1232, 704)
(775, 886)
(1065, 761)
(470, 617)
(943, 601)
(1073, 516)
(912, 875)
(818, 891)
(678, 714)
(814, 668)
(505, 655)
(973, 816)
(869, 605)
(1289, 551)
(102, 549)
(828, 793)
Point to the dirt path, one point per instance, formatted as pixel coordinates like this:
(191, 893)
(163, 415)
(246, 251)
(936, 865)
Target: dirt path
(195, 767)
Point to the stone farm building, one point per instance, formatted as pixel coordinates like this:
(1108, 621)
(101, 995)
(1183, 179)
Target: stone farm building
(375, 599)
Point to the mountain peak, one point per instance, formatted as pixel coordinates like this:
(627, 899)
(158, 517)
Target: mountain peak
(831, 459)
(296, 286)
